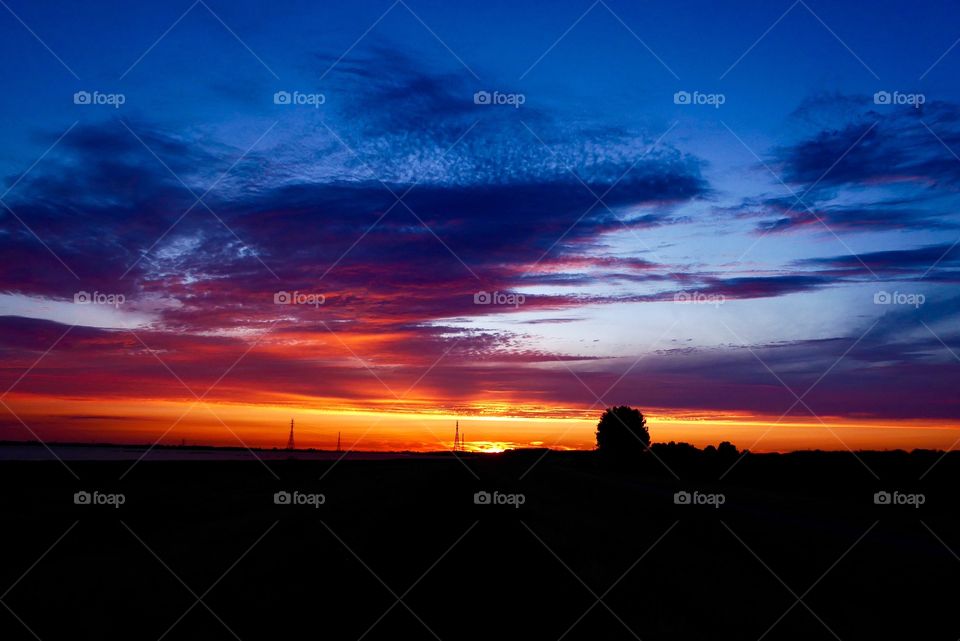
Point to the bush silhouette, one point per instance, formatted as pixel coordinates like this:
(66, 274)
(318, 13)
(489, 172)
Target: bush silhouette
(727, 450)
(622, 433)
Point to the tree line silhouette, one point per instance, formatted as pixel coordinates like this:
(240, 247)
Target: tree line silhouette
(622, 437)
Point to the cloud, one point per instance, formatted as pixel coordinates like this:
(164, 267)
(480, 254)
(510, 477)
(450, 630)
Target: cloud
(901, 263)
(876, 216)
(495, 199)
(497, 213)
(861, 167)
(876, 144)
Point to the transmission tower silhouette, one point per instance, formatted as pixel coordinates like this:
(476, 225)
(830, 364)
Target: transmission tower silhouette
(290, 440)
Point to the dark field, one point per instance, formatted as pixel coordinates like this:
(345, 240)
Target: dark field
(399, 550)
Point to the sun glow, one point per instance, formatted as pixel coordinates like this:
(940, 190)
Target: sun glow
(265, 426)
(488, 448)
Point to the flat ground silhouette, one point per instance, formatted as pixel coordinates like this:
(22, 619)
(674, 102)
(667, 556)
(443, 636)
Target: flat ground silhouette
(468, 559)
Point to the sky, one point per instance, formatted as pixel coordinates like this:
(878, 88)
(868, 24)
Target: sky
(382, 218)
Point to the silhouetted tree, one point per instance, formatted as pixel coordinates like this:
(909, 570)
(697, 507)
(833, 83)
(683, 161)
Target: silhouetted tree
(622, 433)
(727, 449)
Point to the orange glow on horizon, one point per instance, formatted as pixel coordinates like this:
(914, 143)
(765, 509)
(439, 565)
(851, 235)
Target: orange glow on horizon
(486, 427)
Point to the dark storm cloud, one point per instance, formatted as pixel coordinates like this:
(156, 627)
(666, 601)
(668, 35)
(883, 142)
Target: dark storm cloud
(850, 147)
(872, 217)
(103, 203)
(764, 286)
(389, 91)
(905, 263)
(877, 143)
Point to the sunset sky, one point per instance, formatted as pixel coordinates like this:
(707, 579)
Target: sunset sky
(379, 218)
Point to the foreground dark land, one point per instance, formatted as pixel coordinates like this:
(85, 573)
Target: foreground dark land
(793, 526)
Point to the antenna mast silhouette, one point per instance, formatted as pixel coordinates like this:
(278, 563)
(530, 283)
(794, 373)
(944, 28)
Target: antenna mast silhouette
(290, 440)
(457, 439)
(338, 443)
